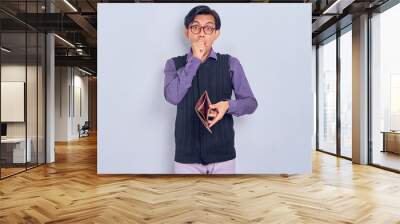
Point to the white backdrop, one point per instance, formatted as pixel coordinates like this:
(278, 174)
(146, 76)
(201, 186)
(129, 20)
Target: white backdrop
(136, 124)
(12, 101)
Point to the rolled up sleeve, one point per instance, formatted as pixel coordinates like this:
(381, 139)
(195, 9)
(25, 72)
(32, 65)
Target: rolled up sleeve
(177, 82)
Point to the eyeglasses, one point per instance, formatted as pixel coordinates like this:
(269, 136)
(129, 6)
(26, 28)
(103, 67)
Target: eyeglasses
(196, 29)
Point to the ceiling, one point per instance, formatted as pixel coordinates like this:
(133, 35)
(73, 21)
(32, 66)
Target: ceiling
(76, 22)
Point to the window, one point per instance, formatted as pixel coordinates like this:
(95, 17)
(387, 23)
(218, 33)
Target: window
(346, 93)
(385, 88)
(327, 96)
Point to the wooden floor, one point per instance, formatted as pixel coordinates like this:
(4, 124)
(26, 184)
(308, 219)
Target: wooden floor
(70, 191)
(5, 172)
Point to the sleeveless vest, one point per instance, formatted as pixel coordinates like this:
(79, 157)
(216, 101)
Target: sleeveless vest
(193, 142)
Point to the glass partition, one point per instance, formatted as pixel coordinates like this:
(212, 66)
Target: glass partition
(22, 101)
(14, 153)
(327, 96)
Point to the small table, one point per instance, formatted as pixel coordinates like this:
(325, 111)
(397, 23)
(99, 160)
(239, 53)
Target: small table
(391, 141)
(17, 151)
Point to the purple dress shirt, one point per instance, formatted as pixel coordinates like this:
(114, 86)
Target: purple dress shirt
(177, 83)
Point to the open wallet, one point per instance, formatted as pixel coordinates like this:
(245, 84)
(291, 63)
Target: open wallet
(202, 109)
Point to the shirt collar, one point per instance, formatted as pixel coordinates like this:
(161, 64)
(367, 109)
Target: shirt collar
(212, 54)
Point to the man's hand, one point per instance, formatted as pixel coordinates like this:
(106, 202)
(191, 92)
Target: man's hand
(199, 49)
(217, 111)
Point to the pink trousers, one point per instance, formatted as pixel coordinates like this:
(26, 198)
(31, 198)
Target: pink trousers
(226, 167)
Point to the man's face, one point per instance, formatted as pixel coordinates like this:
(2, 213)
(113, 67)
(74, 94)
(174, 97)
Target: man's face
(202, 28)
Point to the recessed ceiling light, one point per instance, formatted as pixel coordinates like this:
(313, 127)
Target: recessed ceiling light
(84, 71)
(64, 40)
(338, 6)
(5, 50)
(70, 5)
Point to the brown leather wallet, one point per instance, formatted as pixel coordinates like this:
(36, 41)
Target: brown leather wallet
(202, 109)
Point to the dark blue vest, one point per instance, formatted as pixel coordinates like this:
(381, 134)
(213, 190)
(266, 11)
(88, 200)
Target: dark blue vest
(193, 142)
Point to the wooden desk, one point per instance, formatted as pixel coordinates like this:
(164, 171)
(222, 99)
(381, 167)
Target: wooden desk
(391, 141)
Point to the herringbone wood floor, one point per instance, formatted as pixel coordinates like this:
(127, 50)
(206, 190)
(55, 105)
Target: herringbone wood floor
(70, 191)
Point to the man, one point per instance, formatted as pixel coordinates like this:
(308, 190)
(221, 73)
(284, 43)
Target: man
(197, 151)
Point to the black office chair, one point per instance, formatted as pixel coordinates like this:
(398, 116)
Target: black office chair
(84, 130)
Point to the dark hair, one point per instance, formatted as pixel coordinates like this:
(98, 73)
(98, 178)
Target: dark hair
(202, 10)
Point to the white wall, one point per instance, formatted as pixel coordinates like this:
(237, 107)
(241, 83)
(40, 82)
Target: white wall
(136, 124)
(79, 117)
(15, 73)
(61, 103)
(68, 82)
